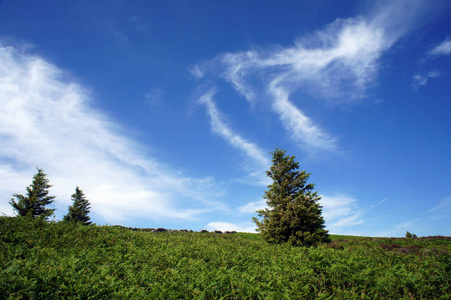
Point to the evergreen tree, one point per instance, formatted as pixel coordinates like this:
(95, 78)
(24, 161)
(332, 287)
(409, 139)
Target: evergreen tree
(79, 210)
(294, 214)
(33, 205)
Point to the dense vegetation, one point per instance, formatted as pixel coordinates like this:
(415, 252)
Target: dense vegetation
(47, 260)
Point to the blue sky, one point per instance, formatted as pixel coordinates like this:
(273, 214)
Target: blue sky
(165, 112)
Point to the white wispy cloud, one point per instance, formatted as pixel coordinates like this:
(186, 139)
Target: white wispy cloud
(302, 128)
(444, 48)
(340, 211)
(47, 120)
(419, 80)
(238, 68)
(225, 226)
(335, 64)
(153, 97)
(259, 161)
(442, 210)
(196, 72)
(252, 207)
(422, 79)
(378, 203)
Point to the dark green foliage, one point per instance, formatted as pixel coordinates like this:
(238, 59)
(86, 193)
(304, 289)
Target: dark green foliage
(79, 210)
(47, 260)
(411, 235)
(294, 214)
(34, 204)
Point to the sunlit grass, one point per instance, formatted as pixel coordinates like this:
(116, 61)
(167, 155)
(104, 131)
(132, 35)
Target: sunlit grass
(58, 260)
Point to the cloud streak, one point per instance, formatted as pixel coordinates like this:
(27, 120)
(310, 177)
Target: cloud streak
(422, 79)
(259, 161)
(340, 211)
(252, 207)
(302, 128)
(47, 120)
(442, 210)
(335, 64)
(444, 48)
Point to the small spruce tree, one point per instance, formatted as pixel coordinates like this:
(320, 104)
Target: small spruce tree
(79, 210)
(294, 214)
(34, 204)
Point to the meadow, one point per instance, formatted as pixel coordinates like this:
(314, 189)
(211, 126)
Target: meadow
(60, 260)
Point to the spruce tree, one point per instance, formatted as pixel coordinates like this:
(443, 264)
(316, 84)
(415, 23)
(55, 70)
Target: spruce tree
(79, 210)
(34, 204)
(294, 215)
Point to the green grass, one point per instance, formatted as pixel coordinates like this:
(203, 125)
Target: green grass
(40, 260)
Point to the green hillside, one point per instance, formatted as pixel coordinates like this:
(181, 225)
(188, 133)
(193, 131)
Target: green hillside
(42, 260)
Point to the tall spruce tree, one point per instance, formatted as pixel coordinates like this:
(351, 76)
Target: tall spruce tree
(294, 214)
(34, 204)
(79, 210)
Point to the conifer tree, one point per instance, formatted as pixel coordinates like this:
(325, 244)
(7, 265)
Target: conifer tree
(79, 210)
(34, 204)
(294, 214)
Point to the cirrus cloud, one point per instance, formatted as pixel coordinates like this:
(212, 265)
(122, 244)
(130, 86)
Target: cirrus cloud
(444, 48)
(334, 64)
(48, 120)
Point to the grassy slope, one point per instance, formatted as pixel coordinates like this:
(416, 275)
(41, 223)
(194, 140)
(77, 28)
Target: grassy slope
(57, 260)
